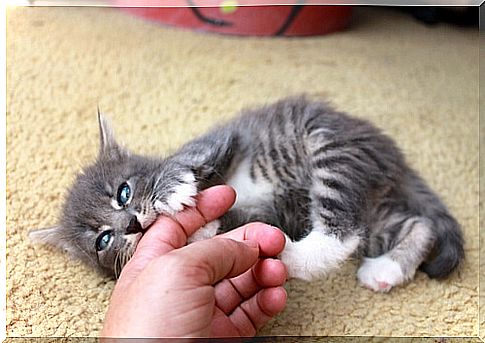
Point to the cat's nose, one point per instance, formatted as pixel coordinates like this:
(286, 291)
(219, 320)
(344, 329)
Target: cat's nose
(134, 226)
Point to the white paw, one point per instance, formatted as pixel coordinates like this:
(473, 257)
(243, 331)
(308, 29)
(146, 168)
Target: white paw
(380, 274)
(205, 232)
(297, 270)
(183, 195)
(316, 255)
(297, 265)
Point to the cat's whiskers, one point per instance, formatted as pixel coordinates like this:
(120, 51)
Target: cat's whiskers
(157, 181)
(131, 251)
(153, 194)
(122, 257)
(148, 189)
(148, 204)
(118, 264)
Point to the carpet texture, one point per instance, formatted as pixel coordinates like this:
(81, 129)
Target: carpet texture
(162, 86)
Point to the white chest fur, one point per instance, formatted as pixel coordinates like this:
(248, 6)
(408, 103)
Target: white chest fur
(249, 192)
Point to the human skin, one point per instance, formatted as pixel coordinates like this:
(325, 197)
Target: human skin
(225, 286)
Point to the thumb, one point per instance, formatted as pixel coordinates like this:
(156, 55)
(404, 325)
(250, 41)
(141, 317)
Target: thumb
(169, 233)
(209, 261)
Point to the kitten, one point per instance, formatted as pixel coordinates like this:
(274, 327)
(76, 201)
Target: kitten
(334, 184)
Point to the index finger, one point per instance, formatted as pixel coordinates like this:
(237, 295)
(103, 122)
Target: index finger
(270, 239)
(169, 233)
(209, 261)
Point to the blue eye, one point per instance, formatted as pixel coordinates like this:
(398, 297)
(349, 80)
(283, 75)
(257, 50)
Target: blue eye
(103, 240)
(124, 194)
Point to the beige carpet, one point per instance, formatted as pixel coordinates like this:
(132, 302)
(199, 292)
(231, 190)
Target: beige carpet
(163, 86)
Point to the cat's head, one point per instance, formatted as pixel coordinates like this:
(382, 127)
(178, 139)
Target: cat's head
(109, 205)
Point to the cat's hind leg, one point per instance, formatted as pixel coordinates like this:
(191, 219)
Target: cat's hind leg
(334, 223)
(330, 241)
(397, 251)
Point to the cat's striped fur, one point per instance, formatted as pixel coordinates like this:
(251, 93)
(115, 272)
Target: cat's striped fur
(335, 184)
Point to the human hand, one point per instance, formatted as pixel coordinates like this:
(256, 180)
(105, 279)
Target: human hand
(218, 287)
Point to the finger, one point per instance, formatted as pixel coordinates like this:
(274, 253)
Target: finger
(168, 233)
(270, 273)
(257, 311)
(222, 326)
(230, 293)
(209, 261)
(271, 240)
(209, 207)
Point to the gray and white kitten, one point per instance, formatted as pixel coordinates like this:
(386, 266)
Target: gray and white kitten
(336, 185)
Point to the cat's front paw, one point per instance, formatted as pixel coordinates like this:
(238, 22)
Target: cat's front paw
(181, 195)
(207, 231)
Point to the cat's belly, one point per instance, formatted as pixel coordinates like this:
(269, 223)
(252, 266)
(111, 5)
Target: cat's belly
(250, 192)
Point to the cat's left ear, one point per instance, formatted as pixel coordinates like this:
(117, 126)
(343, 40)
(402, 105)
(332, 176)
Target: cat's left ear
(108, 145)
(51, 236)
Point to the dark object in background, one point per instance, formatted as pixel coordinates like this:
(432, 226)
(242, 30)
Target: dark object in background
(462, 16)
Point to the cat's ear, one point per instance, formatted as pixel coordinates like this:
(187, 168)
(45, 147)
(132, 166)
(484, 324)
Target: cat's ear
(106, 134)
(108, 145)
(53, 236)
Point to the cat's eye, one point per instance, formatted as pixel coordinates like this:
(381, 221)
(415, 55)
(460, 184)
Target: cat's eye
(124, 194)
(103, 240)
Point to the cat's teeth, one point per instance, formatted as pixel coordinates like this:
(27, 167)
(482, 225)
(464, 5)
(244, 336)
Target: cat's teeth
(146, 219)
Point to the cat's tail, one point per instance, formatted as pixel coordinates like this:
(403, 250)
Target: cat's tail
(447, 253)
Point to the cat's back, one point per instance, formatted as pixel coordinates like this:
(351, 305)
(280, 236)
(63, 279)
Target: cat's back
(304, 123)
(283, 141)
(302, 116)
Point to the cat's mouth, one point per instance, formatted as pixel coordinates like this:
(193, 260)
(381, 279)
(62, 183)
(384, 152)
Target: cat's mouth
(137, 239)
(145, 224)
(145, 221)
